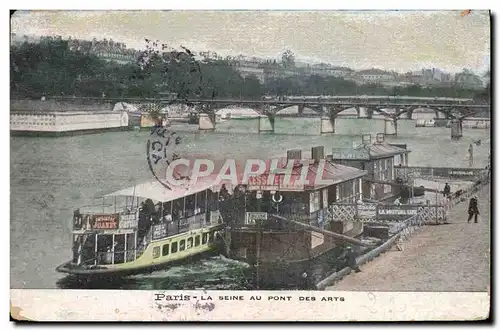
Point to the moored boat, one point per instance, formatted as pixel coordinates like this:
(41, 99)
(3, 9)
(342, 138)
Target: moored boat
(285, 227)
(153, 228)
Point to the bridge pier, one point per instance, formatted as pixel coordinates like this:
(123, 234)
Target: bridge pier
(327, 124)
(409, 114)
(300, 109)
(362, 112)
(456, 129)
(390, 127)
(266, 124)
(206, 122)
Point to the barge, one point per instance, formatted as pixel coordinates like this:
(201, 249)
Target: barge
(285, 228)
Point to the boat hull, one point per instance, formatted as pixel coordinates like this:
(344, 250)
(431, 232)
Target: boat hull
(153, 256)
(118, 273)
(296, 274)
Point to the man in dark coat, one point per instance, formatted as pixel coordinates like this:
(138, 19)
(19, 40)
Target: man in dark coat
(447, 190)
(473, 209)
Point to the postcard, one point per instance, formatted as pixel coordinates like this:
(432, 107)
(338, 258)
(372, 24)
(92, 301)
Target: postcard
(263, 165)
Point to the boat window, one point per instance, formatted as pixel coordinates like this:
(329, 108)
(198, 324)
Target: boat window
(204, 238)
(178, 208)
(167, 208)
(182, 245)
(190, 205)
(212, 200)
(315, 199)
(156, 252)
(189, 243)
(211, 237)
(165, 249)
(174, 247)
(197, 241)
(201, 200)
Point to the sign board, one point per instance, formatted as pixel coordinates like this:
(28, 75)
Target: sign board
(118, 231)
(350, 154)
(104, 222)
(251, 217)
(367, 210)
(159, 231)
(128, 221)
(387, 189)
(260, 183)
(461, 173)
(394, 212)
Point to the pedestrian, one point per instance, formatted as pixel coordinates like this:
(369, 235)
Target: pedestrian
(305, 281)
(473, 209)
(446, 190)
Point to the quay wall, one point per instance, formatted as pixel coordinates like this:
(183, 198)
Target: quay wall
(69, 121)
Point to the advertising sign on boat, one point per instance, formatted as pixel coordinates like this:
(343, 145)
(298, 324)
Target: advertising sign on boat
(128, 221)
(105, 222)
(159, 231)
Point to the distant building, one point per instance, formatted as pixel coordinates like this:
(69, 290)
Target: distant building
(105, 49)
(16, 39)
(375, 76)
(470, 80)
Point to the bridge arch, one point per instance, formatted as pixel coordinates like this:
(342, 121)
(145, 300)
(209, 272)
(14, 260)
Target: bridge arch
(295, 110)
(347, 111)
(422, 111)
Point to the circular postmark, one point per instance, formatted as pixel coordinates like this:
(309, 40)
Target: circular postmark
(161, 151)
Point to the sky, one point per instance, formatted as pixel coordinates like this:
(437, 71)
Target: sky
(390, 40)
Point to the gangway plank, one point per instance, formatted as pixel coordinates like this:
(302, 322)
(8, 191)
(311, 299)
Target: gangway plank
(401, 185)
(338, 236)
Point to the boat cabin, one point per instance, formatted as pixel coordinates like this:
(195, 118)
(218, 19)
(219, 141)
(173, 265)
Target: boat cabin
(379, 159)
(305, 201)
(146, 224)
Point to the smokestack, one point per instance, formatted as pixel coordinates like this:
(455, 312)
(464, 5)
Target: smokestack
(366, 139)
(380, 138)
(293, 154)
(318, 153)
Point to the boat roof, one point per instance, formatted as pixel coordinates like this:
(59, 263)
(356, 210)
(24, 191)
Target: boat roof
(157, 191)
(368, 152)
(328, 173)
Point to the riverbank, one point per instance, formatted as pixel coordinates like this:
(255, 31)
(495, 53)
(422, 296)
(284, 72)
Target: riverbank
(445, 258)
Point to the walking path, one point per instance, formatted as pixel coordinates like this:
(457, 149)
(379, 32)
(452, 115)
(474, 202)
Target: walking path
(452, 257)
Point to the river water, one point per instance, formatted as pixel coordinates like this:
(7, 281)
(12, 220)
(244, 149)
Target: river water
(52, 176)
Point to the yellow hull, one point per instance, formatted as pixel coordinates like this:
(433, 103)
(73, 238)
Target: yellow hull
(157, 253)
